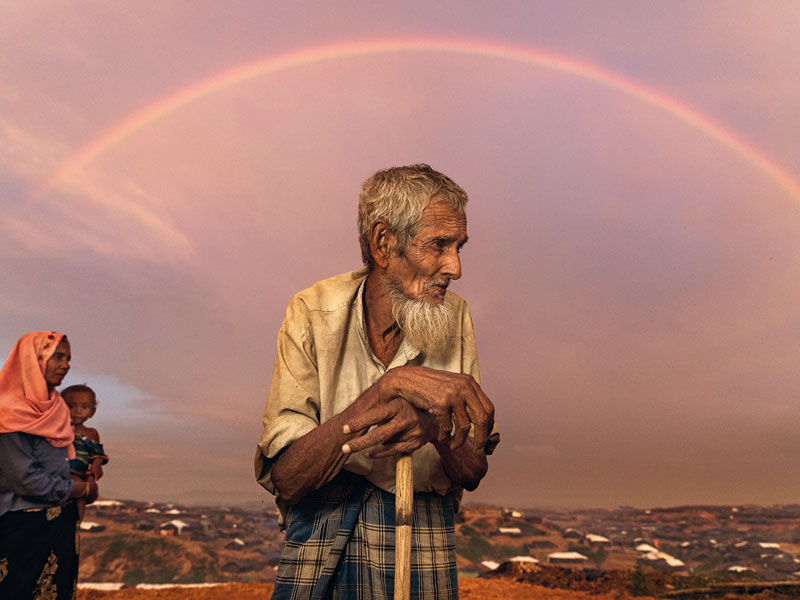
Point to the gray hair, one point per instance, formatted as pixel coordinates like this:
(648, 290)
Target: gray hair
(398, 196)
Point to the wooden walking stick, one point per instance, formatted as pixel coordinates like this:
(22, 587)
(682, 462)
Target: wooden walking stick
(403, 518)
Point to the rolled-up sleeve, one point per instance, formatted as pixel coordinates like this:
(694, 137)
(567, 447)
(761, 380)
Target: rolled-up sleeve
(293, 404)
(23, 474)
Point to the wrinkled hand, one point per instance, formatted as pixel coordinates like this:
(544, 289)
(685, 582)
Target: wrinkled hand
(399, 428)
(454, 399)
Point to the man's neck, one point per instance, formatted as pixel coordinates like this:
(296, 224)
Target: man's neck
(383, 335)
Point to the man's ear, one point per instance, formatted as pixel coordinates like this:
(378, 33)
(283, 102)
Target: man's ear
(382, 243)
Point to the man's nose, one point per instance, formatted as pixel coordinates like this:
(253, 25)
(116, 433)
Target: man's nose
(452, 266)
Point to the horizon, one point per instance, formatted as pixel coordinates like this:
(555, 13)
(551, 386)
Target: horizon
(252, 505)
(172, 174)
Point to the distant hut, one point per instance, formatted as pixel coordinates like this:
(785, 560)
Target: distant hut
(524, 559)
(661, 561)
(597, 541)
(566, 558)
(490, 565)
(739, 569)
(235, 544)
(107, 505)
(174, 527)
(769, 548)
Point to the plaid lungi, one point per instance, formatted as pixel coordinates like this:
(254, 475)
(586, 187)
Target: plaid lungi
(340, 544)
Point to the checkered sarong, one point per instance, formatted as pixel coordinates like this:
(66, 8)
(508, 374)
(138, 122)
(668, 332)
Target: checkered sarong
(340, 545)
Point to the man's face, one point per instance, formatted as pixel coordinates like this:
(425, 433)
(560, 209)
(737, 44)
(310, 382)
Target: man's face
(431, 259)
(57, 366)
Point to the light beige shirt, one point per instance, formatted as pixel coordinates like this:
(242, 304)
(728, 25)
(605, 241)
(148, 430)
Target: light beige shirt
(324, 363)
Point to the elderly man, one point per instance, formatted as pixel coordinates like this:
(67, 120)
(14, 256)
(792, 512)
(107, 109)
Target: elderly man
(372, 364)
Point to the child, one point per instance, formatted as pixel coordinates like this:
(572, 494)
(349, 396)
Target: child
(89, 453)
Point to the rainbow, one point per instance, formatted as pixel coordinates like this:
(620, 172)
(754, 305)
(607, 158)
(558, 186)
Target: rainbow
(341, 51)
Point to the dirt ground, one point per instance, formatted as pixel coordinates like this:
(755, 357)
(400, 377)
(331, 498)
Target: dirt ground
(470, 589)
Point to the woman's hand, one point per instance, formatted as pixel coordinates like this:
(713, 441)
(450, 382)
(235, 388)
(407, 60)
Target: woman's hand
(84, 489)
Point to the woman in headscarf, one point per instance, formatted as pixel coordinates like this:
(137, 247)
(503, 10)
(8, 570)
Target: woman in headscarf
(38, 532)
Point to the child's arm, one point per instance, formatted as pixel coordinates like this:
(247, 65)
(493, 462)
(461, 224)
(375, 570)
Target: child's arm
(96, 468)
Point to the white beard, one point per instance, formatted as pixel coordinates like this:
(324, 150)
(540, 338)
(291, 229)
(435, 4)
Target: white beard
(426, 326)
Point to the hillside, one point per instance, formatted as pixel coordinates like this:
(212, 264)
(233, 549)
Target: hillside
(135, 542)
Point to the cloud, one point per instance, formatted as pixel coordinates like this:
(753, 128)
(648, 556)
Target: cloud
(535, 450)
(633, 282)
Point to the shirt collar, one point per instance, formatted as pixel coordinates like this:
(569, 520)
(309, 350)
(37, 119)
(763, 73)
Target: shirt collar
(405, 353)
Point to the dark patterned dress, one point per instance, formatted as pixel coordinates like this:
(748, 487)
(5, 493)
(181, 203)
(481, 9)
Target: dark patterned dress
(38, 522)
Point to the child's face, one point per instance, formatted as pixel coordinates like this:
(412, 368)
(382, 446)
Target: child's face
(81, 407)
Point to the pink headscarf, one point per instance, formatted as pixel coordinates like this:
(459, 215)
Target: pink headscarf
(26, 405)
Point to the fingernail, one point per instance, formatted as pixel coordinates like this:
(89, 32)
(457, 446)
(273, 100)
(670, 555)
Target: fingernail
(346, 429)
(346, 448)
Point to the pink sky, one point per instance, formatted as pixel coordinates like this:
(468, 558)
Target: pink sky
(633, 273)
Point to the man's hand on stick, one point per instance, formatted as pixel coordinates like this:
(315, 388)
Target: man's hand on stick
(454, 400)
(399, 429)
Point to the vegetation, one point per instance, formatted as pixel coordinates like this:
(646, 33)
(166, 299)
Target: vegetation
(640, 582)
(147, 559)
(138, 549)
(472, 546)
(475, 547)
(483, 523)
(526, 528)
(596, 555)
